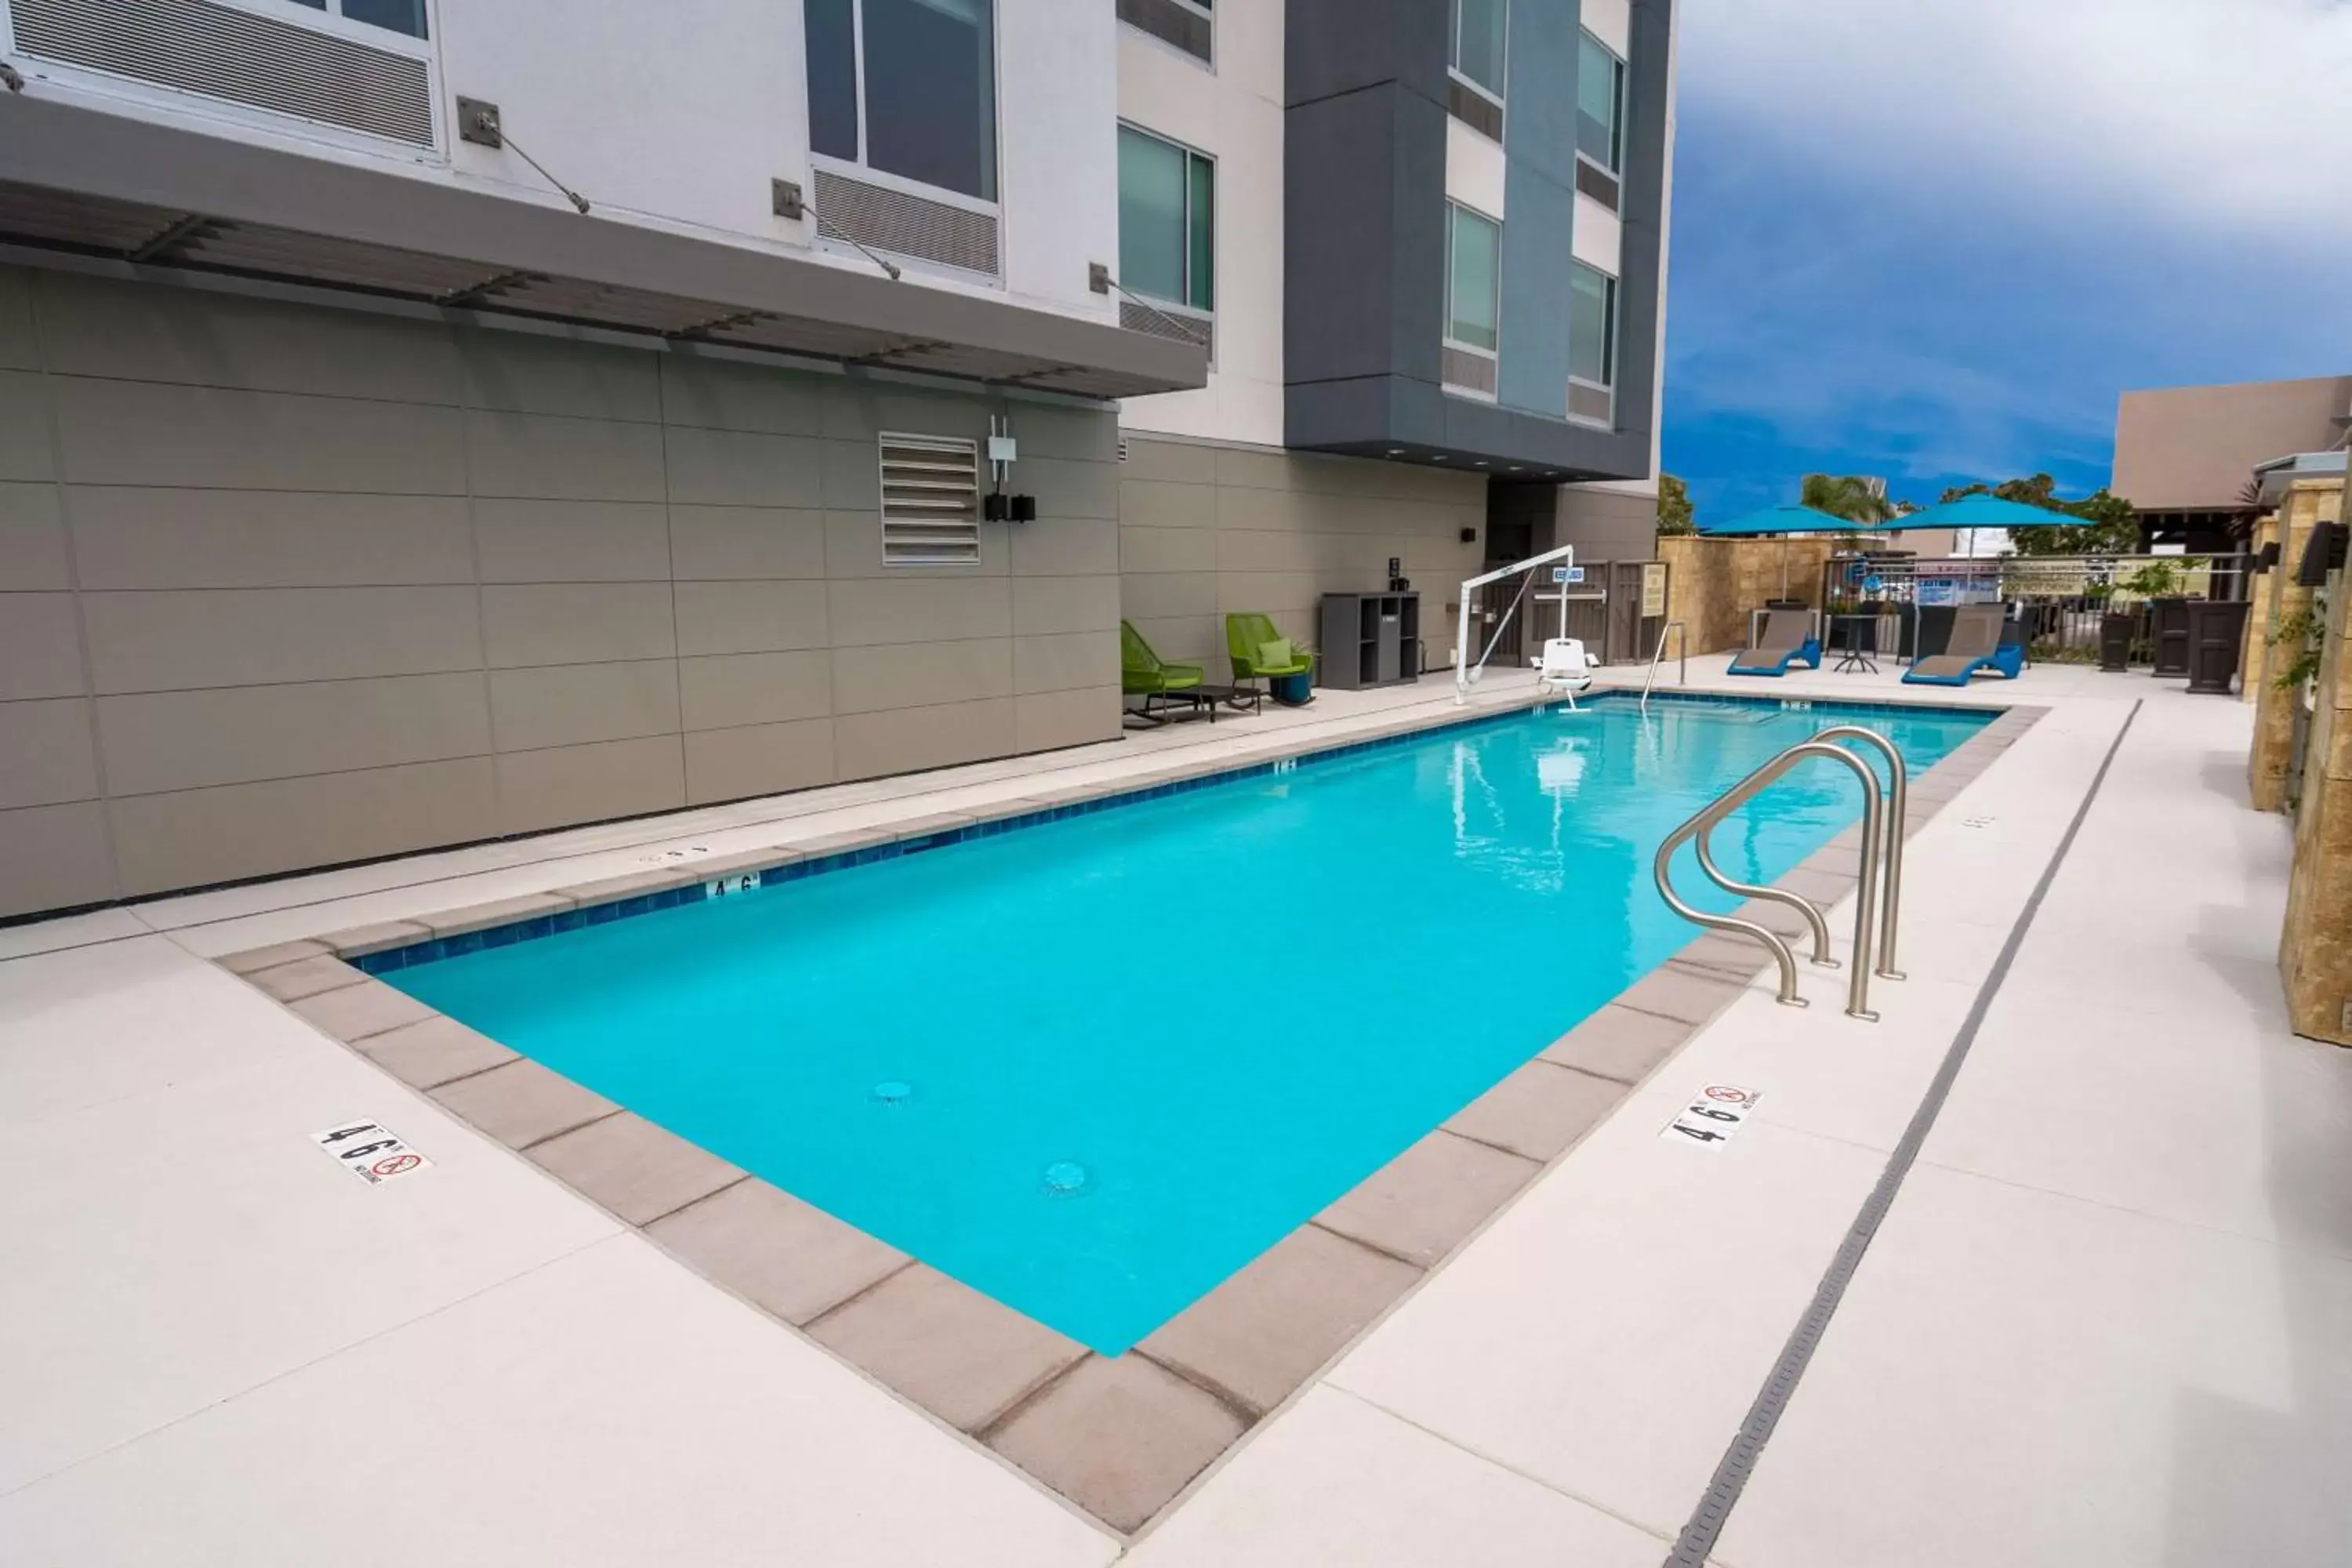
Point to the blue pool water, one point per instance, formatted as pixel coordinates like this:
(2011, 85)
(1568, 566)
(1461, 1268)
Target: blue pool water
(1094, 1067)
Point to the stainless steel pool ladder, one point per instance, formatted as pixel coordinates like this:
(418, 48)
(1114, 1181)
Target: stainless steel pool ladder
(1876, 911)
(1681, 656)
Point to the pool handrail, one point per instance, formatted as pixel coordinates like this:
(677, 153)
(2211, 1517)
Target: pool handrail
(1704, 820)
(1681, 655)
(1890, 905)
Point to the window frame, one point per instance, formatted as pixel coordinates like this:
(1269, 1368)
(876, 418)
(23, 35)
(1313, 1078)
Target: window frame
(860, 168)
(1183, 309)
(367, 32)
(1206, 11)
(1613, 342)
(1616, 170)
(1446, 337)
(1454, 55)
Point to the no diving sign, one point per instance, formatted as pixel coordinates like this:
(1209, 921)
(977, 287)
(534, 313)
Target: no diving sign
(1711, 1116)
(369, 1153)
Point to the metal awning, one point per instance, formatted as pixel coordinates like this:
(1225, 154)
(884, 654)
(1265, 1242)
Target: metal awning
(86, 187)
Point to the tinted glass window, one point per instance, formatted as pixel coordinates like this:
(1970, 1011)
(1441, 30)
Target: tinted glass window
(1151, 249)
(931, 92)
(1591, 325)
(1200, 227)
(399, 15)
(832, 76)
(1600, 103)
(1479, 26)
(1471, 276)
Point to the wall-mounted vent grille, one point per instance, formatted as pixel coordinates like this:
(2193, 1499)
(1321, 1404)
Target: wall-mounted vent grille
(1597, 183)
(1597, 404)
(1473, 107)
(1163, 321)
(930, 500)
(238, 56)
(885, 219)
(1172, 22)
(1469, 372)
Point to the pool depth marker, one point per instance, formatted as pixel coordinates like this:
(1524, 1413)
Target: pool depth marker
(1706, 1522)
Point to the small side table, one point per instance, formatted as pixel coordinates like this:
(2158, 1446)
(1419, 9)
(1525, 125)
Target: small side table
(1860, 646)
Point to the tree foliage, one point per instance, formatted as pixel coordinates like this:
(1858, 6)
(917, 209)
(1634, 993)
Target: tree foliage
(1847, 496)
(1675, 515)
(2109, 526)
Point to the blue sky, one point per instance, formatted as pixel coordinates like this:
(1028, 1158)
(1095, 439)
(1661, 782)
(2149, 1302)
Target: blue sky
(1934, 240)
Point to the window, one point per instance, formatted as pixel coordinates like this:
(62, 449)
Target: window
(1167, 220)
(1472, 254)
(399, 15)
(1591, 343)
(930, 500)
(1477, 41)
(1184, 23)
(1600, 103)
(907, 88)
(1480, 30)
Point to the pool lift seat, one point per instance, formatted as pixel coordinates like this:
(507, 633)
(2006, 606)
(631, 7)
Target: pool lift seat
(1564, 669)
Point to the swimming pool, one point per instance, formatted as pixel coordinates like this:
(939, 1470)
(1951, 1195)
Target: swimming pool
(1092, 1067)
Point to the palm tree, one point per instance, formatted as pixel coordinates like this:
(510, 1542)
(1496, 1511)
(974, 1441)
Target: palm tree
(1859, 501)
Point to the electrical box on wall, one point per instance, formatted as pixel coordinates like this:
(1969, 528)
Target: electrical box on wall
(1002, 449)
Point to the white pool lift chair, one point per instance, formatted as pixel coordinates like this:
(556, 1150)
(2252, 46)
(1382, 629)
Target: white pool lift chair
(1564, 667)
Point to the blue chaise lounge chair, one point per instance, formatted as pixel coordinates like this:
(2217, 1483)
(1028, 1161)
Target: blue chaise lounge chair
(1976, 643)
(1786, 638)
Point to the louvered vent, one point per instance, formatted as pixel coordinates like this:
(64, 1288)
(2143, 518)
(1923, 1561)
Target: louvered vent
(238, 56)
(1597, 183)
(1162, 321)
(885, 219)
(1597, 404)
(930, 500)
(1473, 107)
(1172, 22)
(1469, 372)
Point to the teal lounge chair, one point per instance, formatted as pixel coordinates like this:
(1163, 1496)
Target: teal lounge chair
(1143, 673)
(1251, 643)
(1976, 643)
(1786, 638)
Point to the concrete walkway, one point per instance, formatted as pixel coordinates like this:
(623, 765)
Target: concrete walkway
(2103, 1324)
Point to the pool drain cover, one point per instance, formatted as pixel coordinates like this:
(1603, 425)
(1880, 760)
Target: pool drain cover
(1067, 1178)
(892, 1091)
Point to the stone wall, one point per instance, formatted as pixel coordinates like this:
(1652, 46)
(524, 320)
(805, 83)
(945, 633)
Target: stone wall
(2315, 948)
(1714, 582)
(282, 586)
(2308, 503)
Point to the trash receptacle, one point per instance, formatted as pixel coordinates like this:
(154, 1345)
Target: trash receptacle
(2216, 634)
(2116, 628)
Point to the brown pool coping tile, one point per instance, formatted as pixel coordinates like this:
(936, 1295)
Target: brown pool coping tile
(352, 1013)
(1620, 1043)
(1119, 1438)
(1123, 1436)
(361, 940)
(430, 1053)
(269, 957)
(498, 912)
(1538, 1109)
(965, 1357)
(1268, 1328)
(634, 1168)
(522, 1102)
(1420, 1205)
(305, 977)
(787, 1257)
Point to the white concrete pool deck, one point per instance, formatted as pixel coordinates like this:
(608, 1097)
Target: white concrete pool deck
(2103, 1324)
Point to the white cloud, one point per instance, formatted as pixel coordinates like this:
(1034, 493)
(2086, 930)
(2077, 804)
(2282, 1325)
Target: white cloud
(2231, 116)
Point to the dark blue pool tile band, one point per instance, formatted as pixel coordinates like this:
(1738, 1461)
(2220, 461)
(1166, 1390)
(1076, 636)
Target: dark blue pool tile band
(409, 957)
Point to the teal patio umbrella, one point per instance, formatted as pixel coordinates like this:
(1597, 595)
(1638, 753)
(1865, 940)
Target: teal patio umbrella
(1779, 520)
(1979, 512)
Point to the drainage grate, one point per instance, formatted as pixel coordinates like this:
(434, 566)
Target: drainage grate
(884, 219)
(237, 57)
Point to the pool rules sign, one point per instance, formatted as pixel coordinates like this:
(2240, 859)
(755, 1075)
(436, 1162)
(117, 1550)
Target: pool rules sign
(369, 1153)
(1711, 1117)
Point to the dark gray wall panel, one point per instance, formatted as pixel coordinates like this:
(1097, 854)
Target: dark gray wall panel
(1333, 47)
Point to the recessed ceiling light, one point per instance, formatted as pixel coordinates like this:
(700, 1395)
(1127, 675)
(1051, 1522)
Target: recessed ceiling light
(1439, 457)
(1396, 452)
(1515, 468)
(1479, 464)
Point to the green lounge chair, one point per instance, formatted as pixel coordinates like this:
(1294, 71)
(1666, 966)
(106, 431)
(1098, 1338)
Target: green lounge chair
(1247, 639)
(1143, 673)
